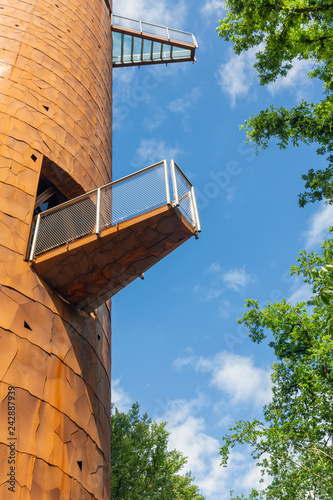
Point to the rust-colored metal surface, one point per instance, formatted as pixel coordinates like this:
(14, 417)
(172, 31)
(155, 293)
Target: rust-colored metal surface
(93, 269)
(55, 105)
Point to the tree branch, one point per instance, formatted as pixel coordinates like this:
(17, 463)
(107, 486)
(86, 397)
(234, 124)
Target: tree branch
(286, 457)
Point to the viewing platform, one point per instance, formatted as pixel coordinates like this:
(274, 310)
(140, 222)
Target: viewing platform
(91, 247)
(137, 43)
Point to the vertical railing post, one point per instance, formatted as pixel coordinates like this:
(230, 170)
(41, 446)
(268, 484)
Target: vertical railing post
(166, 178)
(174, 183)
(34, 241)
(195, 208)
(193, 215)
(98, 211)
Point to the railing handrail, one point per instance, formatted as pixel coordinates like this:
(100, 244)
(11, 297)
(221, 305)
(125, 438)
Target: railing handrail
(186, 203)
(155, 25)
(89, 193)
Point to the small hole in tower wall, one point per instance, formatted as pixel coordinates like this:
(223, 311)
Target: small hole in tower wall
(27, 326)
(79, 462)
(46, 107)
(98, 337)
(33, 157)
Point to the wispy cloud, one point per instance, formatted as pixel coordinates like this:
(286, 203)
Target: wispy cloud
(300, 293)
(213, 7)
(236, 279)
(155, 120)
(220, 281)
(318, 224)
(214, 268)
(296, 81)
(183, 106)
(236, 376)
(237, 75)
(226, 308)
(208, 293)
(189, 434)
(159, 12)
(153, 150)
(252, 477)
(119, 396)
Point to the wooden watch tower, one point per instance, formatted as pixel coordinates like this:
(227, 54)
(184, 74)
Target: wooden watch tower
(69, 239)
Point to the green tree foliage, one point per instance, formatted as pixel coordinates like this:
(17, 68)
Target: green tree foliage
(141, 465)
(293, 445)
(284, 31)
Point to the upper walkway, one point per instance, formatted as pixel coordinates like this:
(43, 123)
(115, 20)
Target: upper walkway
(136, 43)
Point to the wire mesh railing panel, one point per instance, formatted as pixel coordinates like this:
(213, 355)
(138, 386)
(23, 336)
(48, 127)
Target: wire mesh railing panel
(185, 204)
(69, 222)
(184, 195)
(138, 194)
(131, 196)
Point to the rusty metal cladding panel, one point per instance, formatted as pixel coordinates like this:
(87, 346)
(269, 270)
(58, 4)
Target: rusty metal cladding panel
(55, 104)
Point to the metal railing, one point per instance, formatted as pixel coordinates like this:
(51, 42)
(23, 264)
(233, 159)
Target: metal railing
(170, 34)
(106, 206)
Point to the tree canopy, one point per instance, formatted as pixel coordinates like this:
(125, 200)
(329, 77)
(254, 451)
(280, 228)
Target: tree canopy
(141, 464)
(284, 31)
(293, 445)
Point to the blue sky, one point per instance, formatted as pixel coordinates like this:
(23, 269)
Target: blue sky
(177, 347)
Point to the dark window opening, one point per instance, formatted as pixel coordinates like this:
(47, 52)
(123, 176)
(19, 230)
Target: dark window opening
(48, 196)
(55, 187)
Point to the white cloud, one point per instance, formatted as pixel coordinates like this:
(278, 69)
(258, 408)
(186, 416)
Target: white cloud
(153, 150)
(237, 75)
(213, 7)
(155, 120)
(235, 279)
(119, 396)
(179, 363)
(318, 225)
(296, 80)
(189, 434)
(123, 82)
(238, 377)
(226, 308)
(251, 479)
(230, 196)
(214, 268)
(302, 293)
(234, 375)
(153, 11)
(183, 104)
(208, 293)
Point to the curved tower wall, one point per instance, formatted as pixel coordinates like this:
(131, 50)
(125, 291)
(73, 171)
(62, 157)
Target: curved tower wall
(55, 104)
